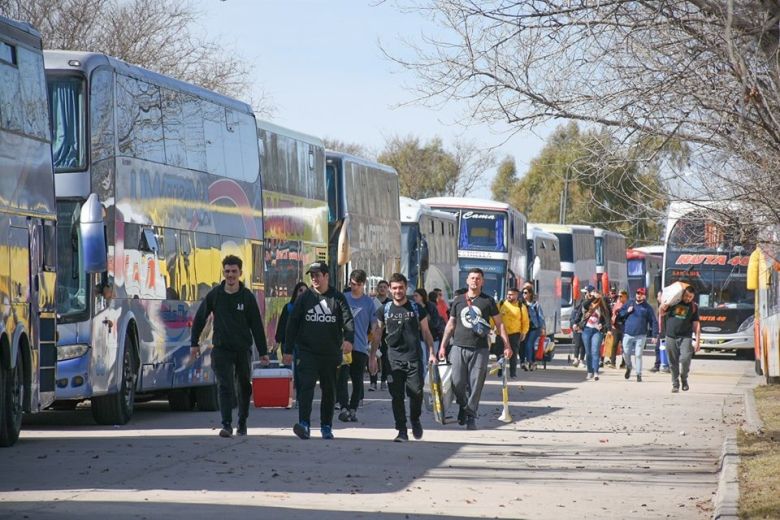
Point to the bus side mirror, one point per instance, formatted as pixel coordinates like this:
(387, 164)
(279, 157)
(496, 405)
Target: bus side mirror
(424, 255)
(536, 269)
(93, 236)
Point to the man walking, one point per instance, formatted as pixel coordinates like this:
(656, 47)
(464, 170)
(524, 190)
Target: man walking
(638, 318)
(514, 314)
(680, 323)
(237, 322)
(468, 326)
(382, 368)
(362, 307)
(322, 328)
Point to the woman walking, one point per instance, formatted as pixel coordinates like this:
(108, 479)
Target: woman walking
(536, 327)
(594, 324)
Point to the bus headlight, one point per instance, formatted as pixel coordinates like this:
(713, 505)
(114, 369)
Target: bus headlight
(71, 352)
(746, 325)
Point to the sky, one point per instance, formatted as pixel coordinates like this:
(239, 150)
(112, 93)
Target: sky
(320, 63)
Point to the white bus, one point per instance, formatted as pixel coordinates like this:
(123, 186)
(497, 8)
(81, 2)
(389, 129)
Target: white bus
(644, 271)
(544, 271)
(364, 221)
(429, 247)
(492, 237)
(176, 169)
(578, 266)
(611, 270)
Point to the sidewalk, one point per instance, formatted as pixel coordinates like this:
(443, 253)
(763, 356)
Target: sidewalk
(576, 449)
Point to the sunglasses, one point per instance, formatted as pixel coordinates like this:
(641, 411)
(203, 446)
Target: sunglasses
(526, 292)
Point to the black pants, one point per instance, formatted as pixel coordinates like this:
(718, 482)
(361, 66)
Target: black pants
(384, 367)
(579, 346)
(313, 367)
(617, 337)
(516, 344)
(228, 366)
(406, 377)
(353, 371)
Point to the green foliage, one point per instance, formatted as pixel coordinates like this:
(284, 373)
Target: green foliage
(505, 179)
(424, 170)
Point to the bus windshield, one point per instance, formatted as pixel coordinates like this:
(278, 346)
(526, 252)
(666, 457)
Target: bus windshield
(636, 267)
(409, 236)
(717, 288)
(71, 278)
(66, 106)
(482, 231)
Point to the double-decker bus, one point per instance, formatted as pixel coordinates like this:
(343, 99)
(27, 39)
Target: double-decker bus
(611, 270)
(544, 271)
(295, 209)
(577, 248)
(176, 170)
(644, 271)
(713, 259)
(364, 221)
(764, 280)
(429, 247)
(492, 237)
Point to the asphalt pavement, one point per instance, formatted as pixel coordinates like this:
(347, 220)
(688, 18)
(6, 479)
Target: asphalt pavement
(612, 448)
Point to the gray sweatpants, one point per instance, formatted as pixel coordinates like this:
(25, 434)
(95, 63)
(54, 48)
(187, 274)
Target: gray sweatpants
(469, 368)
(680, 351)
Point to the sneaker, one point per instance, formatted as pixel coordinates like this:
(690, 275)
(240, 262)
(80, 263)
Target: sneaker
(654, 369)
(383, 385)
(685, 386)
(353, 416)
(326, 431)
(628, 373)
(372, 387)
(226, 431)
(665, 369)
(609, 364)
(500, 373)
(301, 429)
(462, 416)
(524, 366)
(590, 376)
(513, 376)
(345, 415)
(241, 430)
(639, 378)
(402, 436)
(596, 378)
(471, 423)
(675, 389)
(576, 363)
(417, 430)
(532, 367)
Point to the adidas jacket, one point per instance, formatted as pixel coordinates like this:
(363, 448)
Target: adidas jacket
(319, 323)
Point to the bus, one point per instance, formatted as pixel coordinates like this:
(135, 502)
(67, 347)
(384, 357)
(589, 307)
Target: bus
(295, 217)
(544, 271)
(713, 259)
(176, 170)
(429, 247)
(492, 237)
(364, 221)
(611, 272)
(764, 280)
(578, 267)
(644, 271)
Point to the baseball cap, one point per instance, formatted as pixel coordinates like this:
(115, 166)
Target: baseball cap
(642, 291)
(589, 288)
(318, 267)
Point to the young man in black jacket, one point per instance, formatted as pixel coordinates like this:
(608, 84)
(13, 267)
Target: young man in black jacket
(321, 326)
(237, 322)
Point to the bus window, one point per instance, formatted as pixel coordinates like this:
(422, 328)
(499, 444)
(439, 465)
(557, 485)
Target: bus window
(101, 92)
(169, 249)
(66, 101)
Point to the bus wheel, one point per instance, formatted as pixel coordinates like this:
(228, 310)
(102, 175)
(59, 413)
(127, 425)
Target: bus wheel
(207, 398)
(181, 400)
(118, 408)
(12, 407)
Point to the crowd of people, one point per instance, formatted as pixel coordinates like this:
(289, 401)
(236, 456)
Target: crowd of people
(333, 337)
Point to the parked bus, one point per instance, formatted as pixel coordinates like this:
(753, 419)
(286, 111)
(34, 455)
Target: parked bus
(611, 272)
(295, 212)
(544, 271)
(764, 279)
(364, 221)
(713, 259)
(644, 271)
(492, 237)
(176, 169)
(578, 266)
(429, 247)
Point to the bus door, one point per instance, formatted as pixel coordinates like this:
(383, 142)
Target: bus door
(19, 269)
(43, 253)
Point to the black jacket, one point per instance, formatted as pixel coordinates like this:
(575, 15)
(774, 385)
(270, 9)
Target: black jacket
(236, 320)
(319, 323)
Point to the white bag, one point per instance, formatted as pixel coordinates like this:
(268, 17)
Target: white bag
(447, 394)
(672, 294)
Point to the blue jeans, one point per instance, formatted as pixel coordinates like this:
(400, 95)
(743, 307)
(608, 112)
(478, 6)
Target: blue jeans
(634, 345)
(530, 345)
(592, 339)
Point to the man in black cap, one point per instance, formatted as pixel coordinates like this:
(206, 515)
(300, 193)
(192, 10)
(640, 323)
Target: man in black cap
(321, 326)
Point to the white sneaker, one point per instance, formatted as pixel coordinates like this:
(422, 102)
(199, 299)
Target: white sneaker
(576, 363)
(590, 377)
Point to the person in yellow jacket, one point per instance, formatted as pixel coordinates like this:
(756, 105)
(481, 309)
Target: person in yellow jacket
(514, 314)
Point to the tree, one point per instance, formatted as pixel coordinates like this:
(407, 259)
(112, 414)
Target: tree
(505, 179)
(355, 149)
(152, 34)
(702, 72)
(424, 170)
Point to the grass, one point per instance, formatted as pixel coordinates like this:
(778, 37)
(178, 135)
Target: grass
(759, 468)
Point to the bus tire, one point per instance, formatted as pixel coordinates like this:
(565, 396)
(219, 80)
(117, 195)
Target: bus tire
(12, 381)
(118, 408)
(181, 400)
(207, 398)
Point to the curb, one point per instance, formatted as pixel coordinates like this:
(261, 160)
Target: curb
(726, 499)
(753, 423)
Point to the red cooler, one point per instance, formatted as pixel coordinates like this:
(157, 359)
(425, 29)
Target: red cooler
(272, 387)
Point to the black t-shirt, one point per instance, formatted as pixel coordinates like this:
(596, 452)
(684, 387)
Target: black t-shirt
(402, 330)
(679, 320)
(484, 307)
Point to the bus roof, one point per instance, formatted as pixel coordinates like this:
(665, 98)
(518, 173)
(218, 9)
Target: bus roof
(89, 61)
(563, 228)
(537, 232)
(281, 130)
(412, 210)
(651, 250)
(22, 32)
(466, 203)
(332, 154)
(600, 232)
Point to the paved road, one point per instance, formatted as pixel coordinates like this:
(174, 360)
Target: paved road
(606, 449)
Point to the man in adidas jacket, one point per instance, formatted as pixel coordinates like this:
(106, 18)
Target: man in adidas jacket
(321, 326)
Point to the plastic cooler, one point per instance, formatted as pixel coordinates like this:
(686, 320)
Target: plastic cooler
(272, 387)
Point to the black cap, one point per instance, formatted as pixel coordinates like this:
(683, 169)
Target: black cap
(320, 267)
